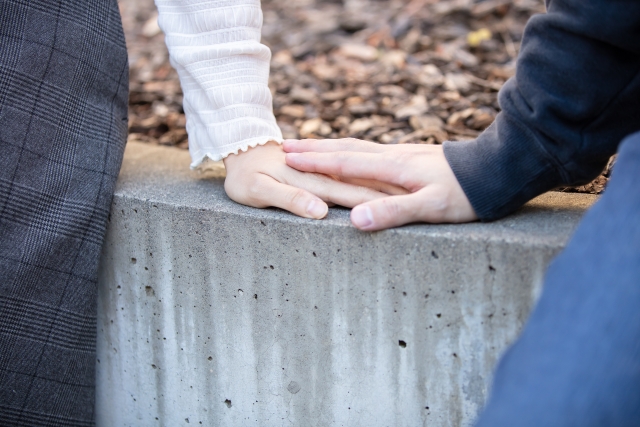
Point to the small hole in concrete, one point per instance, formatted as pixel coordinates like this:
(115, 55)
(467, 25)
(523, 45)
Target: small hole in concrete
(404, 293)
(228, 403)
(426, 407)
(438, 315)
(255, 296)
(154, 366)
(149, 291)
(133, 260)
(118, 287)
(402, 344)
(453, 292)
(491, 268)
(314, 254)
(271, 267)
(315, 306)
(146, 268)
(455, 355)
(210, 358)
(262, 222)
(293, 387)
(434, 254)
(426, 295)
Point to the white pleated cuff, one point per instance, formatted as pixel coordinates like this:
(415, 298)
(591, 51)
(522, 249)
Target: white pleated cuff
(203, 150)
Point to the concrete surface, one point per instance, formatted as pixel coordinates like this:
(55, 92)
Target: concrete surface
(217, 314)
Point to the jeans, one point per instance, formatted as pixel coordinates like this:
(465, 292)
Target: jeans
(577, 362)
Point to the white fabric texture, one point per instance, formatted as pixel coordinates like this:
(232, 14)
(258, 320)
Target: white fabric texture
(224, 71)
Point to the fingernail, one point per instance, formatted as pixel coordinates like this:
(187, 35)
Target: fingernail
(317, 209)
(362, 217)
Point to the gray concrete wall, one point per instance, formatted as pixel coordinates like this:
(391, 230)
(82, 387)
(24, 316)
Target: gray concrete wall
(213, 313)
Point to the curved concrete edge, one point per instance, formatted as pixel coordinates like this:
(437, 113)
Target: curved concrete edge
(215, 313)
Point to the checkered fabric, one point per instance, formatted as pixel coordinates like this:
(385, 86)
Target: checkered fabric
(63, 123)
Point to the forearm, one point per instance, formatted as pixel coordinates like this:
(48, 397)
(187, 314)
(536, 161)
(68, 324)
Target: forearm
(224, 72)
(575, 96)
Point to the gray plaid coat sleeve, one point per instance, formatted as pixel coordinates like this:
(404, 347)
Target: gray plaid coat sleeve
(63, 122)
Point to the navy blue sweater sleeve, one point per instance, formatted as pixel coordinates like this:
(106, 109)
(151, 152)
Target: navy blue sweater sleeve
(575, 96)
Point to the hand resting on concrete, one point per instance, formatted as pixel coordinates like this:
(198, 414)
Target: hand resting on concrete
(433, 192)
(260, 178)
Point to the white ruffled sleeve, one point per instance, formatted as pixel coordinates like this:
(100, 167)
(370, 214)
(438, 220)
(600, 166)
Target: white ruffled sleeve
(224, 71)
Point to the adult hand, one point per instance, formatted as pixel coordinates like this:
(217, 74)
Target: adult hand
(434, 194)
(260, 178)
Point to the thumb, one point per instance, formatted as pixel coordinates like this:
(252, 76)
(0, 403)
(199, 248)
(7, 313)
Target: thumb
(292, 199)
(430, 204)
(264, 191)
(384, 213)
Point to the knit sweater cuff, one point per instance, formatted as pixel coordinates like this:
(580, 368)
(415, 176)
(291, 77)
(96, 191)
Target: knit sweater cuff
(502, 169)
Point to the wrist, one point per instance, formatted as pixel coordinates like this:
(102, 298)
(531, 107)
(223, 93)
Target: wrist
(257, 151)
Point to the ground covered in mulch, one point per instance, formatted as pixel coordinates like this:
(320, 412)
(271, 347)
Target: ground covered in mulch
(389, 71)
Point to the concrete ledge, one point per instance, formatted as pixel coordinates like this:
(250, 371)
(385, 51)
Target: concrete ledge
(215, 313)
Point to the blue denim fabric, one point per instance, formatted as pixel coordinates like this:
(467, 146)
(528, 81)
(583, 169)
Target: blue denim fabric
(577, 362)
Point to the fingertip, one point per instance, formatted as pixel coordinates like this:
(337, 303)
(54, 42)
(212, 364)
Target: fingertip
(292, 159)
(289, 144)
(362, 217)
(296, 145)
(317, 209)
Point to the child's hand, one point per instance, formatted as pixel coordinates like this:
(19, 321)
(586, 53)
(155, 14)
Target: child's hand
(435, 195)
(260, 178)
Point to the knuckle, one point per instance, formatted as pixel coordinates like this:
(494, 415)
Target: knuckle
(438, 205)
(342, 160)
(365, 194)
(351, 143)
(254, 188)
(296, 197)
(254, 183)
(392, 209)
(401, 162)
(402, 158)
(232, 189)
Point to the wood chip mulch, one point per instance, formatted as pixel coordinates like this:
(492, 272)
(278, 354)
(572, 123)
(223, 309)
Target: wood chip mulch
(389, 71)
